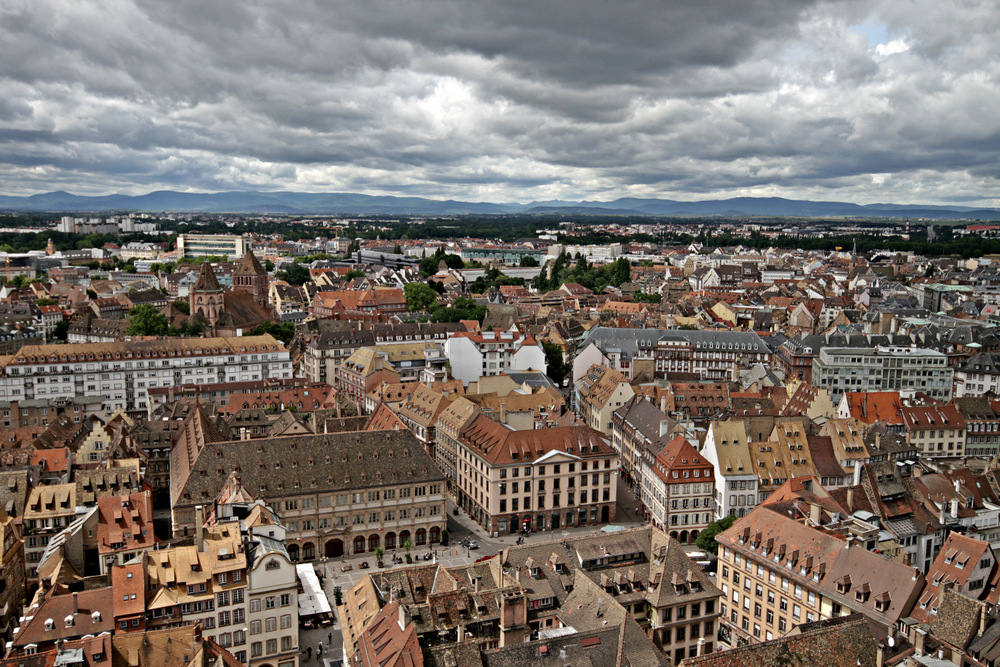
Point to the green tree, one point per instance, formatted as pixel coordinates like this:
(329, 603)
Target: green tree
(642, 297)
(46, 302)
(182, 306)
(420, 296)
(356, 273)
(706, 539)
(61, 330)
(296, 274)
(462, 308)
(285, 331)
(407, 545)
(529, 261)
(379, 553)
(146, 320)
(268, 265)
(557, 367)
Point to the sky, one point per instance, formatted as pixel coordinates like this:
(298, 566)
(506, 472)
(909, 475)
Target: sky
(513, 101)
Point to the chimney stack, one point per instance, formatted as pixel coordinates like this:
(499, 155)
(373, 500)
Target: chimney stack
(880, 655)
(815, 514)
(76, 605)
(701, 646)
(664, 427)
(920, 642)
(199, 527)
(404, 616)
(954, 507)
(850, 499)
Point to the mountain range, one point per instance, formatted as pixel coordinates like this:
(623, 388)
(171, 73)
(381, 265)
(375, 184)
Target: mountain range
(305, 203)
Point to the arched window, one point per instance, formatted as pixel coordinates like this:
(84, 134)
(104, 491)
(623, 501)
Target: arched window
(359, 544)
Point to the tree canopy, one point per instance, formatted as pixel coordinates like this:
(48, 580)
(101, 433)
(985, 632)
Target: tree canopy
(420, 296)
(706, 539)
(147, 320)
(296, 274)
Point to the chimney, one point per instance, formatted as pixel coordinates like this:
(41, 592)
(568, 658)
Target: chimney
(404, 616)
(701, 646)
(461, 633)
(850, 499)
(983, 617)
(664, 427)
(958, 486)
(880, 655)
(857, 473)
(663, 403)
(954, 507)
(815, 514)
(920, 642)
(503, 412)
(847, 542)
(199, 527)
(76, 605)
(941, 516)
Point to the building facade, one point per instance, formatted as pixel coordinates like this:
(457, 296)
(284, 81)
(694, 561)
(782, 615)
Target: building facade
(841, 370)
(212, 245)
(540, 479)
(119, 373)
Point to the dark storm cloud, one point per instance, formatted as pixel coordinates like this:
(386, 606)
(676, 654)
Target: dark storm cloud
(504, 101)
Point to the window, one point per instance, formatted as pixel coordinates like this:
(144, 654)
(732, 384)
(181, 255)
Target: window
(286, 621)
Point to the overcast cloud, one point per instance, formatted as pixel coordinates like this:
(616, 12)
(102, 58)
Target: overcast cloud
(505, 101)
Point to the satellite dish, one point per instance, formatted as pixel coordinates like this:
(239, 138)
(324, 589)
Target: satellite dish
(891, 642)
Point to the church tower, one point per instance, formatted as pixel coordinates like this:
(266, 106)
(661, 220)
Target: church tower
(206, 297)
(251, 277)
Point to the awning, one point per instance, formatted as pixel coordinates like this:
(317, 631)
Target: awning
(312, 599)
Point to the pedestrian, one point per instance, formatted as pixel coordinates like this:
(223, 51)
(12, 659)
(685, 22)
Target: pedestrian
(309, 651)
(319, 651)
(329, 638)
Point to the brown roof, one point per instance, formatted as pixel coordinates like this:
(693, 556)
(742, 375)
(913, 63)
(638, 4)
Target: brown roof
(501, 446)
(848, 644)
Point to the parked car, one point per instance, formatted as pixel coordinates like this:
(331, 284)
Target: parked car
(470, 543)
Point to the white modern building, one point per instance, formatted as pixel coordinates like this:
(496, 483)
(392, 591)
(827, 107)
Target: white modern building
(474, 354)
(206, 245)
(847, 369)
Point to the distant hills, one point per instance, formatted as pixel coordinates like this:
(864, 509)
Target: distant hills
(306, 203)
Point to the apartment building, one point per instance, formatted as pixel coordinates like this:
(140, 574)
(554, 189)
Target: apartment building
(727, 447)
(540, 479)
(12, 579)
(476, 354)
(450, 423)
(935, 430)
(364, 370)
(205, 583)
(634, 426)
(678, 490)
(120, 373)
(49, 509)
(209, 245)
(712, 355)
(599, 393)
(336, 494)
(840, 370)
(982, 425)
(124, 528)
(330, 349)
(776, 573)
(848, 439)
